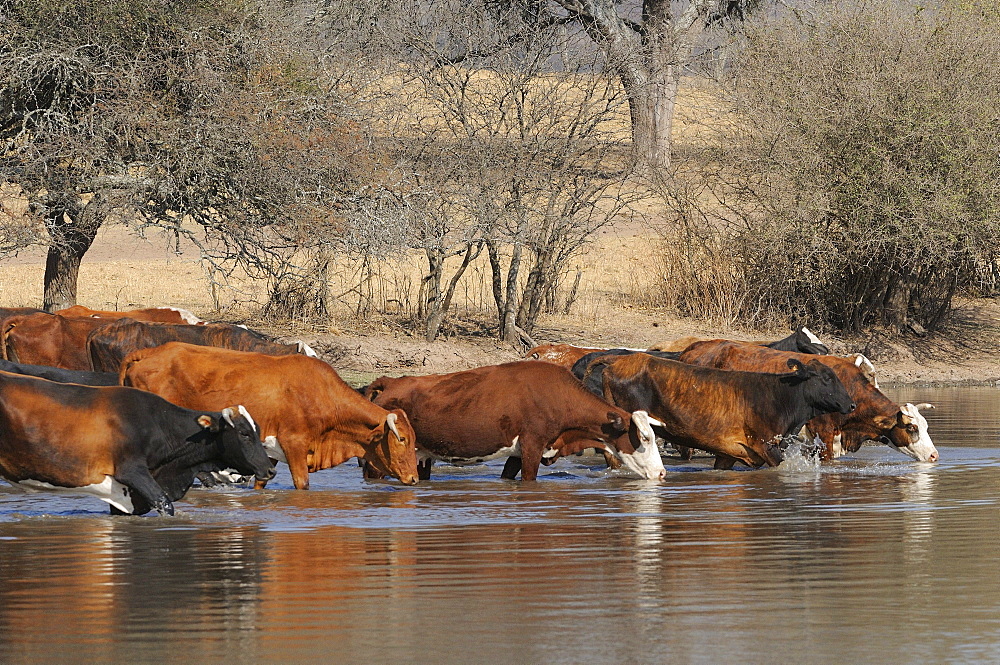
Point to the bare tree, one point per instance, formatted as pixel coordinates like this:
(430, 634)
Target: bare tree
(647, 45)
(204, 118)
(528, 131)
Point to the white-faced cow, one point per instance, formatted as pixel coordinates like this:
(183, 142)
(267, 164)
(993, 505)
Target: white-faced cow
(739, 416)
(527, 411)
(876, 418)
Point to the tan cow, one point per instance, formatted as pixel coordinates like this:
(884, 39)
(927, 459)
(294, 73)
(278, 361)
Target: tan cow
(308, 417)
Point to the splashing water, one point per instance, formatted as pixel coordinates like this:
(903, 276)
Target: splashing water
(800, 455)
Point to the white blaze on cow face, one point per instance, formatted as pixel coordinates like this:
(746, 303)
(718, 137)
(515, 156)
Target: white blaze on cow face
(646, 460)
(922, 449)
(246, 414)
(110, 491)
(273, 449)
(812, 337)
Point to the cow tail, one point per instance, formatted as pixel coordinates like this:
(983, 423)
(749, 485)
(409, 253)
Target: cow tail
(130, 360)
(4, 353)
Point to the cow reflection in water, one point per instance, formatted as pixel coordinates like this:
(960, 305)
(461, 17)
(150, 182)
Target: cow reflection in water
(124, 582)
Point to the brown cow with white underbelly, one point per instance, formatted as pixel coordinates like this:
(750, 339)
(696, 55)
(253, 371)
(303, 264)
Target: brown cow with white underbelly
(527, 411)
(739, 416)
(308, 417)
(876, 418)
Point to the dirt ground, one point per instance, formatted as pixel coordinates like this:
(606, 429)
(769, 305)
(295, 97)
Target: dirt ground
(121, 272)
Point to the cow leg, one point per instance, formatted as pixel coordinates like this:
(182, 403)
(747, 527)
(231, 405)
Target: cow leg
(724, 462)
(511, 468)
(611, 460)
(368, 471)
(684, 452)
(424, 469)
(531, 458)
(138, 479)
(300, 473)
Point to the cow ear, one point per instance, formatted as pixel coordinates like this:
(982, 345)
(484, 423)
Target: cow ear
(208, 422)
(802, 372)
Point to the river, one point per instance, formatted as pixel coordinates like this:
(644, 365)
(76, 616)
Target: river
(872, 558)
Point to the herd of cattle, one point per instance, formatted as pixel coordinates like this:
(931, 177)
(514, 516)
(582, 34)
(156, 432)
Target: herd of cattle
(133, 407)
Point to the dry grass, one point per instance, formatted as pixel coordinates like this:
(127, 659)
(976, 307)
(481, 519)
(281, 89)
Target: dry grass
(619, 271)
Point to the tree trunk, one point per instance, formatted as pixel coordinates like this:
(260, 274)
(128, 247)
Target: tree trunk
(443, 302)
(648, 63)
(652, 111)
(508, 318)
(897, 302)
(70, 240)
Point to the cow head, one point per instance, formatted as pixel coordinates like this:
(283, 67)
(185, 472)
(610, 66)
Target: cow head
(907, 432)
(822, 390)
(392, 451)
(806, 342)
(235, 432)
(635, 444)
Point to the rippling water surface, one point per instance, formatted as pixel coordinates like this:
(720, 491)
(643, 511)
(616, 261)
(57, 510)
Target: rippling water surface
(873, 558)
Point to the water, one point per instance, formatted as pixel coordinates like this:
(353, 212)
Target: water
(873, 558)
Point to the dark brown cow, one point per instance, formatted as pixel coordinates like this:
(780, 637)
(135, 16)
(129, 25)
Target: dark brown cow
(876, 418)
(800, 341)
(308, 417)
(130, 448)
(44, 339)
(739, 416)
(523, 410)
(6, 312)
(109, 346)
(152, 314)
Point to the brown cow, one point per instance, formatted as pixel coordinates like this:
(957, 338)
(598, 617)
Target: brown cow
(132, 449)
(739, 416)
(44, 339)
(876, 418)
(308, 417)
(154, 314)
(109, 345)
(528, 411)
(6, 312)
(563, 355)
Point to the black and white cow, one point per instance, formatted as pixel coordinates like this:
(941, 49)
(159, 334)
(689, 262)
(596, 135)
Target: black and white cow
(130, 448)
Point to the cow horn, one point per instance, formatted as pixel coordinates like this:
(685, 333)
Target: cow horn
(923, 405)
(227, 415)
(390, 420)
